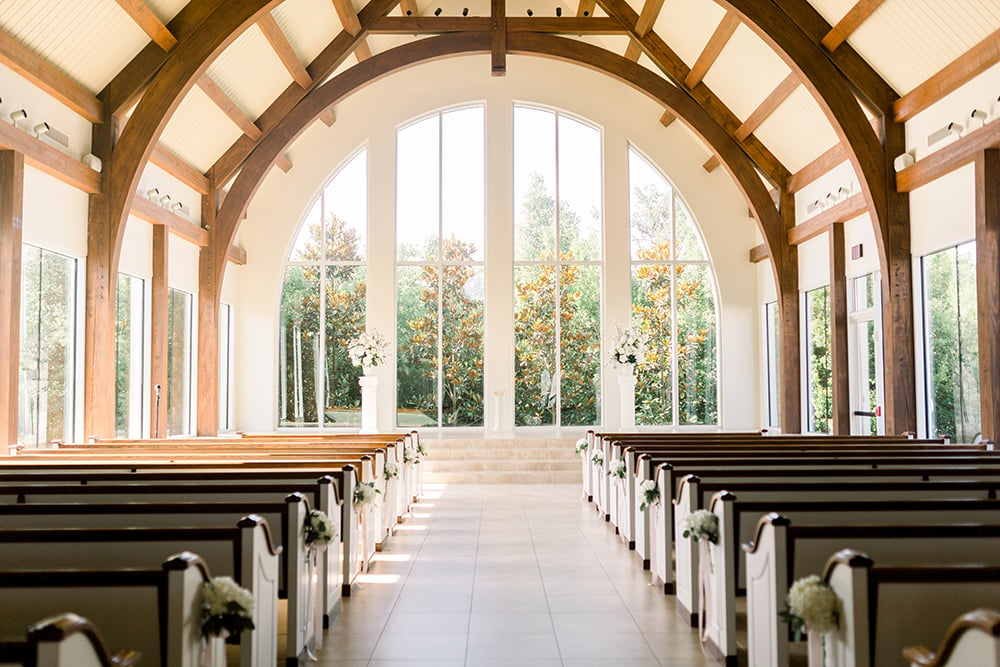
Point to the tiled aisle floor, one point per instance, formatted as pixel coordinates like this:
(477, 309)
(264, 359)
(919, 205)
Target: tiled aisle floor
(504, 575)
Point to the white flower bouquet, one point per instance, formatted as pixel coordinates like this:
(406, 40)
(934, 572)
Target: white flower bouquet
(369, 349)
(617, 468)
(629, 347)
(812, 606)
(598, 458)
(581, 446)
(420, 450)
(227, 608)
(411, 455)
(317, 531)
(650, 494)
(702, 524)
(364, 493)
(391, 470)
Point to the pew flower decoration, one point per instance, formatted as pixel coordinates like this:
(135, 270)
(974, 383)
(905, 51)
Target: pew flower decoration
(391, 470)
(420, 450)
(617, 468)
(317, 531)
(811, 606)
(227, 608)
(581, 446)
(650, 494)
(702, 524)
(629, 348)
(598, 458)
(411, 455)
(369, 349)
(364, 493)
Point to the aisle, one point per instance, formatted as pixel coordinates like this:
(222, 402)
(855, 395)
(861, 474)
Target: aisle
(504, 575)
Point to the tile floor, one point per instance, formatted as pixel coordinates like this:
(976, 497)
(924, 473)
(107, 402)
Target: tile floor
(508, 575)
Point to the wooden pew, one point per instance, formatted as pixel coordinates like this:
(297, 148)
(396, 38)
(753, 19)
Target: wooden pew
(783, 551)
(887, 608)
(154, 611)
(973, 639)
(66, 640)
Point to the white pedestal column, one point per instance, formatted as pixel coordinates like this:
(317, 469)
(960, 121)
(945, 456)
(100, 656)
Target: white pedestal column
(626, 393)
(369, 403)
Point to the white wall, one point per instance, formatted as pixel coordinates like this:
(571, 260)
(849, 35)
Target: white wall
(370, 118)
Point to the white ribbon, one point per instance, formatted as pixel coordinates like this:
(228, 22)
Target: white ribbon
(815, 644)
(705, 583)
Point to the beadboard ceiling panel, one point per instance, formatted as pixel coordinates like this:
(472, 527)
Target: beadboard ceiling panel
(250, 72)
(309, 25)
(199, 132)
(797, 132)
(745, 72)
(687, 25)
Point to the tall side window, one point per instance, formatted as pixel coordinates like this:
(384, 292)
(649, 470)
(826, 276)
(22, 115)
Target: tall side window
(772, 362)
(558, 207)
(323, 301)
(47, 358)
(951, 344)
(819, 361)
(225, 367)
(673, 300)
(129, 346)
(440, 226)
(179, 362)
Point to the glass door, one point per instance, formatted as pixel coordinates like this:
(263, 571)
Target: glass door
(866, 359)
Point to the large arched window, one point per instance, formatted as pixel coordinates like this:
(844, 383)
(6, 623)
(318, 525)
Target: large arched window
(323, 306)
(673, 300)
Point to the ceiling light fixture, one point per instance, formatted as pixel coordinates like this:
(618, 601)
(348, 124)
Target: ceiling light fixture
(558, 11)
(15, 116)
(437, 12)
(949, 130)
(814, 206)
(465, 11)
(153, 193)
(902, 162)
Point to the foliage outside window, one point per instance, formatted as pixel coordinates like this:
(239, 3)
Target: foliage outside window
(129, 337)
(323, 302)
(47, 355)
(772, 349)
(440, 226)
(673, 301)
(819, 361)
(179, 362)
(951, 343)
(557, 269)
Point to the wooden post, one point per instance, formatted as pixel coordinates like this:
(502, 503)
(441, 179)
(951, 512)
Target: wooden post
(11, 205)
(159, 333)
(209, 293)
(498, 37)
(787, 271)
(838, 333)
(988, 287)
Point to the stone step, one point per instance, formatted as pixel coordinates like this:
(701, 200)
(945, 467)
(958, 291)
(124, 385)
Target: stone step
(504, 466)
(536, 477)
(529, 454)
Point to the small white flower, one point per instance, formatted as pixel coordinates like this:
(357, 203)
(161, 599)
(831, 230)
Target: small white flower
(364, 493)
(226, 606)
(650, 494)
(391, 470)
(701, 524)
(812, 605)
(369, 349)
(617, 468)
(411, 455)
(318, 531)
(598, 458)
(581, 445)
(629, 347)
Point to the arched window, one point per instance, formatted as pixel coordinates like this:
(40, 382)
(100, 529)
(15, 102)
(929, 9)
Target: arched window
(323, 305)
(673, 300)
(558, 213)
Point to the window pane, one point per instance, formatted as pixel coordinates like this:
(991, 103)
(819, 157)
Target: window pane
(697, 395)
(309, 244)
(650, 210)
(346, 210)
(48, 298)
(651, 297)
(579, 169)
(536, 384)
(688, 242)
(772, 327)
(128, 357)
(534, 184)
(820, 360)
(580, 349)
(178, 363)
(462, 346)
(417, 346)
(298, 354)
(463, 180)
(345, 321)
(418, 190)
(225, 367)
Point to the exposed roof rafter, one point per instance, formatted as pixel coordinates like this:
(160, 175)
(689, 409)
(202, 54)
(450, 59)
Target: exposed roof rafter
(723, 32)
(851, 21)
(150, 23)
(283, 48)
(229, 107)
(767, 107)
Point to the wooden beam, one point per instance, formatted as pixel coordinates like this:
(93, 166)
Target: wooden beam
(647, 17)
(46, 76)
(988, 288)
(667, 118)
(711, 164)
(229, 107)
(237, 255)
(159, 322)
(348, 17)
(839, 359)
(209, 294)
(433, 25)
(179, 169)
(963, 69)
(52, 161)
(283, 163)
(767, 107)
(817, 168)
(585, 8)
(759, 253)
(328, 117)
(851, 21)
(843, 211)
(633, 50)
(283, 48)
(730, 22)
(786, 266)
(409, 7)
(153, 213)
(11, 211)
(498, 37)
(149, 22)
(945, 160)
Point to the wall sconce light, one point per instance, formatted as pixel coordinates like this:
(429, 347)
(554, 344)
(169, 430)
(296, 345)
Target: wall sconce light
(43, 129)
(437, 12)
(153, 193)
(843, 193)
(531, 13)
(814, 207)
(179, 207)
(978, 114)
(831, 199)
(949, 130)
(18, 115)
(93, 162)
(165, 200)
(902, 162)
(465, 11)
(558, 11)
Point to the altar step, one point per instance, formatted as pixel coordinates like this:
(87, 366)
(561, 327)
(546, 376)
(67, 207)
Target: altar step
(501, 461)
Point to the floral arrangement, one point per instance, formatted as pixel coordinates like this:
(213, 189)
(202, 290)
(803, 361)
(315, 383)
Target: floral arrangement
(617, 468)
(702, 524)
(317, 531)
(650, 494)
(391, 470)
(364, 493)
(598, 458)
(812, 606)
(581, 446)
(227, 608)
(420, 450)
(629, 347)
(411, 455)
(368, 349)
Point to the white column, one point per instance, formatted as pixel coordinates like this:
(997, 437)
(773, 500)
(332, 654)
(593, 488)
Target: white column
(626, 395)
(369, 403)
